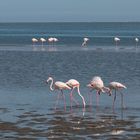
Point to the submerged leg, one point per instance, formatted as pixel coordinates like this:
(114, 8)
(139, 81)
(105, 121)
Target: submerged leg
(122, 102)
(63, 96)
(114, 100)
(97, 98)
(71, 97)
(57, 100)
(90, 97)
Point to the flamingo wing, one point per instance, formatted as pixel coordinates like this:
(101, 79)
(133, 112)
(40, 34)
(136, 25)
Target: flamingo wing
(61, 85)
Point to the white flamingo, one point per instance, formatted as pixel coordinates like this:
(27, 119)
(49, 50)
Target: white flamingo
(97, 84)
(75, 84)
(136, 40)
(58, 85)
(34, 40)
(116, 39)
(85, 41)
(52, 40)
(42, 40)
(116, 86)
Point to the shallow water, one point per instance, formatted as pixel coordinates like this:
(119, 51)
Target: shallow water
(27, 106)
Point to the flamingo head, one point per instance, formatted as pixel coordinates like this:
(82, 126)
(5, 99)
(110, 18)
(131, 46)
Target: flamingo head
(90, 85)
(107, 90)
(49, 79)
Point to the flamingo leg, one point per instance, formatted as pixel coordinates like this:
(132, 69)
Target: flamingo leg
(97, 98)
(71, 97)
(57, 100)
(63, 96)
(114, 99)
(90, 97)
(122, 102)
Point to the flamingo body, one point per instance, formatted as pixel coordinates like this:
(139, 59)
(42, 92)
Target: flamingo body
(136, 39)
(116, 85)
(75, 84)
(42, 39)
(116, 39)
(50, 39)
(97, 84)
(34, 40)
(86, 39)
(61, 85)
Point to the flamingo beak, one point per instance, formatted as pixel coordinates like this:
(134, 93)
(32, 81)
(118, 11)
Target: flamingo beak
(46, 82)
(109, 92)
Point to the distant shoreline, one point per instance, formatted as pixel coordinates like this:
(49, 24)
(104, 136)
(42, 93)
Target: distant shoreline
(13, 22)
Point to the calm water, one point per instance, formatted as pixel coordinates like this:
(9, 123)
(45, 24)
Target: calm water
(26, 104)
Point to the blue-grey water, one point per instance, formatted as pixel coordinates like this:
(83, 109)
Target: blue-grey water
(26, 103)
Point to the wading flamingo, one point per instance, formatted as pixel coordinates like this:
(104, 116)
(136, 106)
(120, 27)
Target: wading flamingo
(52, 40)
(75, 84)
(58, 85)
(34, 40)
(85, 42)
(116, 86)
(97, 84)
(42, 40)
(136, 40)
(116, 39)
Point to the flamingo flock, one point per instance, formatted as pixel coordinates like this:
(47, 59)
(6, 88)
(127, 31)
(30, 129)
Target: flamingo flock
(95, 84)
(53, 40)
(43, 40)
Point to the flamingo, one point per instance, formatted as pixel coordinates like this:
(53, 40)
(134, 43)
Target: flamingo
(58, 85)
(42, 40)
(116, 86)
(34, 40)
(116, 39)
(136, 40)
(85, 41)
(75, 84)
(52, 40)
(97, 84)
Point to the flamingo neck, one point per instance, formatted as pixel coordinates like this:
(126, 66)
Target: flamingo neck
(51, 85)
(81, 96)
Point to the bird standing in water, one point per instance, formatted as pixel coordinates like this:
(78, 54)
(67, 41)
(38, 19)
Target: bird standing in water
(116, 39)
(97, 84)
(58, 85)
(84, 44)
(75, 84)
(34, 40)
(117, 87)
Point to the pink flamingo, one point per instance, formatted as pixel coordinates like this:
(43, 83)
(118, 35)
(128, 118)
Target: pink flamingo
(97, 84)
(116, 86)
(52, 40)
(34, 40)
(58, 85)
(75, 84)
